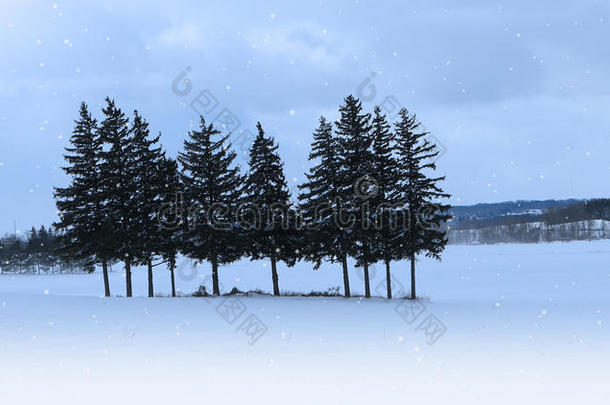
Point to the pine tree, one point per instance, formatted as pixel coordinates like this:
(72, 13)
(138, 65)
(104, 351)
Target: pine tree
(81, 214)
(385, 172)
(145, 171)
(353, 130)
(271, 232)
(47, 247)
(420, 194)
(33, 249)
(213, 184)
(318, 203)
(118, 187)
(168, 215)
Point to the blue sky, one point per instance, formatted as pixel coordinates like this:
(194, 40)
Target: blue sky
(517, 92)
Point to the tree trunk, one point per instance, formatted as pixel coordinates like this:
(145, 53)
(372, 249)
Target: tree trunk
(276, 286)
(128, 277)
(105, 273)
(171, 272)
(345, 277)
(215, 283)
(413, 277)
(151, 292)
(388, 278)
(367, 286)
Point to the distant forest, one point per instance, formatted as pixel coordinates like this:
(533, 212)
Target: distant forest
(530, 221)
(37, 252)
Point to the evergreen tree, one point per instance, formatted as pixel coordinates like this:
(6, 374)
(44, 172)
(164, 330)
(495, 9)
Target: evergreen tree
(353, 130)
(149, 185)
(12, 255)
(213, 186)
(169, 216)
(34, 251)
(118, 187)
(386, 174)
(81, 213)
(48, 247)
(318, 203)
(419, 193)
(271, 229)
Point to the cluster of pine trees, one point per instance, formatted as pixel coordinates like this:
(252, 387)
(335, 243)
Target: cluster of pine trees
(35, 253)
(369, 195)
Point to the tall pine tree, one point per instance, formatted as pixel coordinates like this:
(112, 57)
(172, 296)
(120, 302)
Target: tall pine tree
(270, 231)
(318, 204)
(213, 185)
(145, 171)
(353, 130)
(420, 194)
(169, 216)
(385, 198)
(82, 222)
(118, 186)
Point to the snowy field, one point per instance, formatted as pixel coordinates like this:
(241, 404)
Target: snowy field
(500, 324)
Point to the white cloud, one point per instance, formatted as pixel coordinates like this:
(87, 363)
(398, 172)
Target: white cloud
(187, 35)
(300, 42)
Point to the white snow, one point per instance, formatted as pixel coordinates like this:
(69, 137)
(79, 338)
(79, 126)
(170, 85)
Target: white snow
(522, 324)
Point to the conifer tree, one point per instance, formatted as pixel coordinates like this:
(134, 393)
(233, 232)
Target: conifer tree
(213, 186)
(33, 249)
(118, 186)
(270, 232)
(146, 235)
(420, 194)
(353, 130)
(81, 214)
(385, 172)
(318, 203)
(169, 216)
(47, 247)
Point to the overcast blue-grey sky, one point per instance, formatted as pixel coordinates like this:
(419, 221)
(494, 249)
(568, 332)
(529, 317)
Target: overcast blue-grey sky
(517, 91)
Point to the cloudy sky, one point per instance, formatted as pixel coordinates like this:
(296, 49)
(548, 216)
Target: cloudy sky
(516, 92)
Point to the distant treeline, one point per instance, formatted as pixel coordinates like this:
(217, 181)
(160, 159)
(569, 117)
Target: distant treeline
(36, 252)
(583, 220)
(464, 214)
(583, 211)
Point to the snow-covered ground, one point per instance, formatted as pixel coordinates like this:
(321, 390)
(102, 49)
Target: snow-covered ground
(499, 324)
